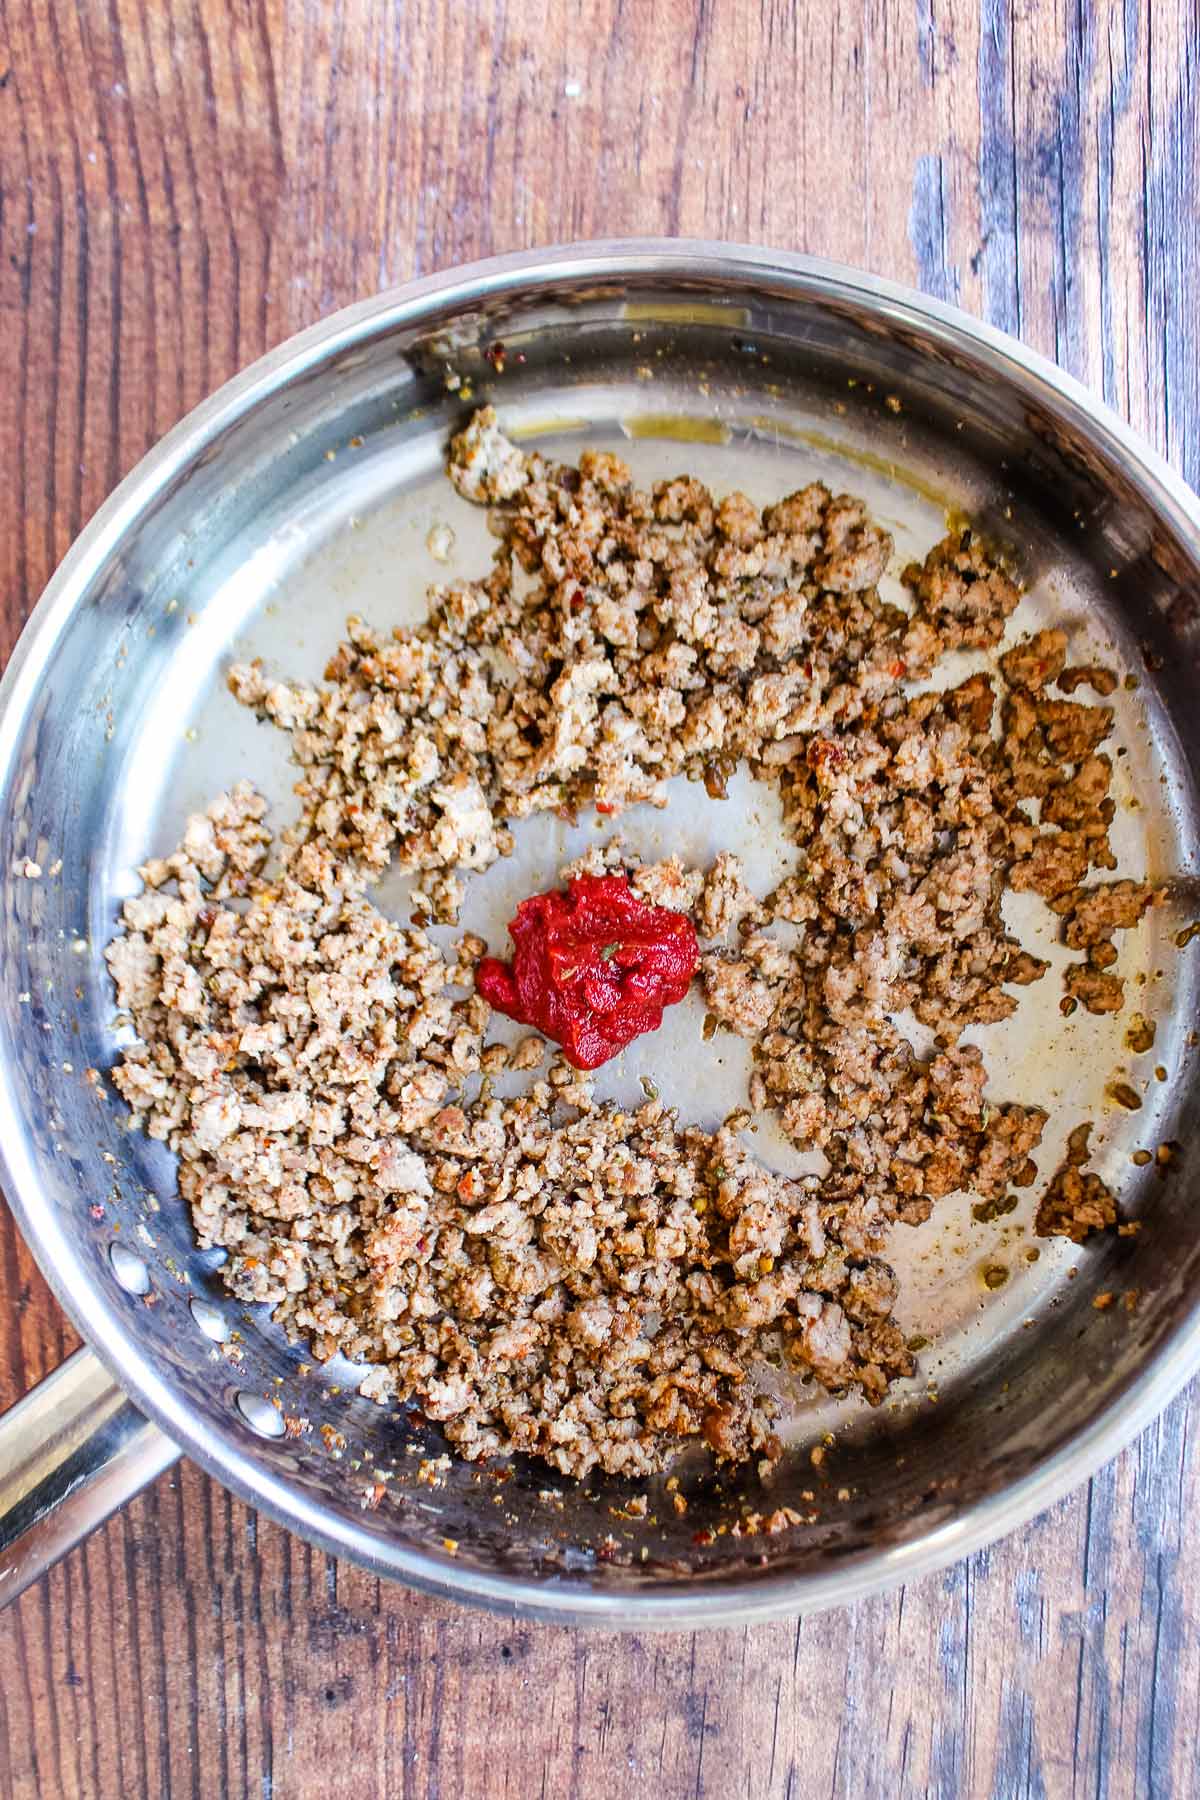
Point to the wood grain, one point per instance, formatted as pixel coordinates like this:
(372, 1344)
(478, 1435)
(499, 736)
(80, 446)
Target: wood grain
(182, 184)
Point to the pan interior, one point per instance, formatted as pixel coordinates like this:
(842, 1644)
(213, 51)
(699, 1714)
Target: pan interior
(322, 501)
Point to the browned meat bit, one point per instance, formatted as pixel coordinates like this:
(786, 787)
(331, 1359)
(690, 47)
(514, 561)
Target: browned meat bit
(1057, 861)
(1026, 769)
(1083, 800)
(963, 592)
(1102, 955)
(1092, 915)
(1105, 907)
(798, 513)
(794, 900)
(608, 472)
(1093, 675)
(1035, 660)
(528, 1053)
(818, 1337)
(484, 465)
(738, 520)
(732, 1436)
(726, 902)
(1024, 968)
(856, 550)
(1098, 992)
(440, 898)
(1073, 731)
(665, 883)
(1003, 1159)
(1078, 1142)
(880, 1357)
(973, 703)
(685, 500)
(956, 1080)
(1042, 735)
(1076, 1203)
(736, 995)
(870, 1292)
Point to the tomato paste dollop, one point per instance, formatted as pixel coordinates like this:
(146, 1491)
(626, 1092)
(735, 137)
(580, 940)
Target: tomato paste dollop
(592, 968)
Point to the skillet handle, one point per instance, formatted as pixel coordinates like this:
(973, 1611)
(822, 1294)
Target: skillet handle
(71, 1452)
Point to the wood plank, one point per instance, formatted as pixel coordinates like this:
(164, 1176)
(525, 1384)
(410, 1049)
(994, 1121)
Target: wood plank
(186, 182)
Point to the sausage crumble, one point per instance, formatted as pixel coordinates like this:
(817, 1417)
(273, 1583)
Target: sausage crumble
(549, 1273)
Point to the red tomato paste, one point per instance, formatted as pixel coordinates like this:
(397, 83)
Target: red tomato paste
(592, 967)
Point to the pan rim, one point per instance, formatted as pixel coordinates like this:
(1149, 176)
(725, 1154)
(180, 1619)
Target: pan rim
(523, 275)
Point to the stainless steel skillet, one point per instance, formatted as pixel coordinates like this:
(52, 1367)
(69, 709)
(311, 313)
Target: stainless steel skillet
(309, 488)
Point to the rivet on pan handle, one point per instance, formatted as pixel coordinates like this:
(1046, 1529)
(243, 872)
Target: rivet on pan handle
(71, 1453)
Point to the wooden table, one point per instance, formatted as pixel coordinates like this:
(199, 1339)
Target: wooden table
(186, 182)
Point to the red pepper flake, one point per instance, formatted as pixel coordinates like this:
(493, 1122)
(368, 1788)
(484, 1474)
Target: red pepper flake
(605, 806)
(823, 753)
(592, 968)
